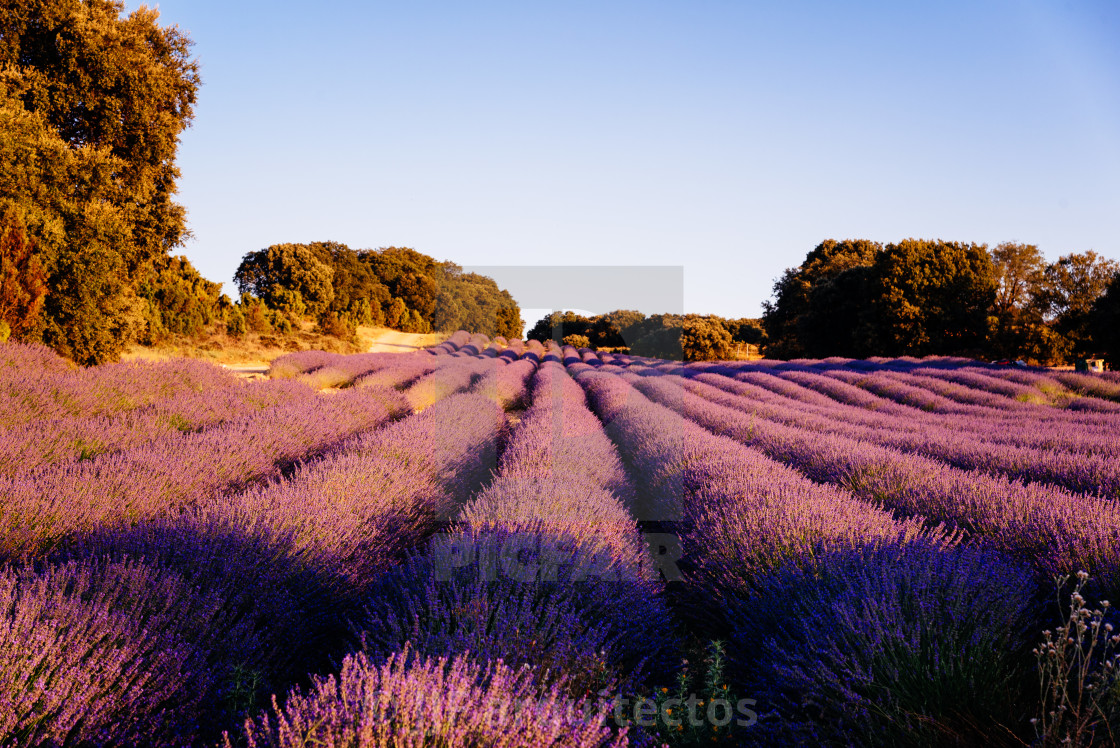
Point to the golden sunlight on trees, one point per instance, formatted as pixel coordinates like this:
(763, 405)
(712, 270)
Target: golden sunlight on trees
(91, 108)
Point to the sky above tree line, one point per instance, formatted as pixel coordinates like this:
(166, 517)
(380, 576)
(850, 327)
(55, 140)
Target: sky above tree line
(725, 137)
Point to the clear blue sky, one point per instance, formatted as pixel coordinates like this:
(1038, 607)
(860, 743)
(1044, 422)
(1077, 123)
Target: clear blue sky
(728, 137)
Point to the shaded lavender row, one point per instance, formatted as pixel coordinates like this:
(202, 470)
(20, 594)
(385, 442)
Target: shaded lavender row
(402, 369)
(1051, 528)
(99, 652)
(1092, 474)
(165, 476)
(743, 515)
(457, 340)
(36, 384)
(452, 703)
(28, 447)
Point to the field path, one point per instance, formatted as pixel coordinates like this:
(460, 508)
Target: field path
(395, 341)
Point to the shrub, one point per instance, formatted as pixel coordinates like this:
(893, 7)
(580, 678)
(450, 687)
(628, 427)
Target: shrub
(235, 323)
(901, 645)
(577, 341)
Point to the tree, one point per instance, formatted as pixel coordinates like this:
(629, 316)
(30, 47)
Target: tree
(662, 342)
(1071, 287)
(616, 329)
(704, 340)
(1018, 328)
(289, 278)
(930, 298)
(91, 108)
(782, 316)
(577, 341)
(22, 278)
(1104, 322)
(558, 325)
(179, 299)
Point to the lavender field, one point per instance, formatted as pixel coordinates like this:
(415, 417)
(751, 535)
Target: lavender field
(504, 543)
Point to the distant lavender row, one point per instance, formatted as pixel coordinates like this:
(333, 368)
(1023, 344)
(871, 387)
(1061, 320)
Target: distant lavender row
(403, 369)
(28, 447)
(342, 371)
(1051, 528)
(36, 385)
(167, 475)
(1083, 473)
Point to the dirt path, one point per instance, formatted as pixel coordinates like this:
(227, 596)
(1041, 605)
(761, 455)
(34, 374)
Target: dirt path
(394, 341)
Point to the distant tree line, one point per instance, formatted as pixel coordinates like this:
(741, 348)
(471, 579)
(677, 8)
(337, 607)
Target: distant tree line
(689, 337)
(395, 287)
(859, 298)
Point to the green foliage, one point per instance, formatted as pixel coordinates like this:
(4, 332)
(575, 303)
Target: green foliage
(930, 298)
(290, 278)
(1071, 287)
(91, 109)
(235, 322)
(179, 300)
(396, 286)
(332, 323)
(683, 711)
(783, 316)
(577, 341)
(22, 278)
(704, 340)
(5, 331)
(662, 342)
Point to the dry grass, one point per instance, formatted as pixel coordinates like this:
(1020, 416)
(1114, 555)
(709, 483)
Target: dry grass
(259, 349)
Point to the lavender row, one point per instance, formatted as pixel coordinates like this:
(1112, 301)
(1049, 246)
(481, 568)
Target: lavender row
(1092, 474)
(169, 474)
(507, 385)
(402, 370)
(545, 567)
(1054, 529)
(456, 341)
(234, 585)
(36, 385)
(409, 700)
(455, 375)
(26, 448)
(816, 389)
(744, 514)
(342, 372)
(291, 365)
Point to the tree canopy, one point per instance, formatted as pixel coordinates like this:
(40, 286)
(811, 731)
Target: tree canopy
(91, 108)
(393, 286)
(930, 297)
